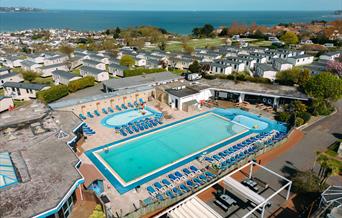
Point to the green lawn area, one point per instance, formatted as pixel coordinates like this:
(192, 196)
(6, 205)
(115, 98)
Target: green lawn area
(20, 103)
(178, 72)
(261, 43)
(177, 46)
(76, 72)
(2, 92)
(45, 81)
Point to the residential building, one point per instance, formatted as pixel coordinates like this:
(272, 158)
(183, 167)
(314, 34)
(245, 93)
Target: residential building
(330, 56)
(23, 91)
(63, 77)
(300, 60)
(10, 77)
(6, 103)
(46, 71)
(56, 59)
(98, 74)
(117, 70)
(94, 64)
(4, 70)
(281, 64)
(29, 65)
(265, 71)
(216, 68)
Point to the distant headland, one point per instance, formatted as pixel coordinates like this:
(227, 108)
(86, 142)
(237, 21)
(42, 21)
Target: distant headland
(19, 9)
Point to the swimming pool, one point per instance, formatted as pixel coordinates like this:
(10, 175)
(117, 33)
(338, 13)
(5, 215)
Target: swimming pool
(134, 161)
(124, 117)
(142, 156)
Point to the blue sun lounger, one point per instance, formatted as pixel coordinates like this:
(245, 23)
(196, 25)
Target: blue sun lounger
(139, 126)
(153, 123)
(90, 115)
(130, 105)
(216, 157)
(198, 181)
(124, 106)
(158, 121)
(82, 117)
(210, 160)
(188, 172)
(203, 178)
(104, 111)
(195, 170)
(160, 197)
(141, 101)
(117, 107)
(134, 128)
(209, 174)
(177, 191)
(184, 188)
(136, 104)
(173, 178)
(110, 110)
(96, 113)
(129, 130)
(144, 125)
(179, 175)
(151, 191)
(191, 184)
(122, 132)
(169, 194)
(159, 187)
(167, 183)
(148, 123)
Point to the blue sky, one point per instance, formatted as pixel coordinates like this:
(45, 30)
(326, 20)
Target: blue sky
(179, 4)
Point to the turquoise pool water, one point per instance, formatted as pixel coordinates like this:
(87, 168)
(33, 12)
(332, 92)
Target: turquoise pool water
(124, 117)
(138, 157)
(251, 123)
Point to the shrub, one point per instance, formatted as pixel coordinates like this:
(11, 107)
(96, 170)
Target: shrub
(305, 116)
(136, 72)
(299, 121)
(283, 117)
(29, 75)
(82, 83)
(53, 94)
(209, 76)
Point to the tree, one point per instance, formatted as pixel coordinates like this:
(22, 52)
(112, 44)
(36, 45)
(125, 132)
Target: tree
(335, 67)
(29, 75)
(97, 213)
(324, 86)
(188, 49)
(289, 38)
(117, 33)
(237, 29)
(205, 31)
(195, 67)
(307, 182)
(162, 45)
(127, 61)
(66, 49)
(293, 76)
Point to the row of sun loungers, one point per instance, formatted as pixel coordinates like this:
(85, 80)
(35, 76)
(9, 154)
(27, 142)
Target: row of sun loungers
(110, 110)
(232, 155)
(87, 130)
(180, 183)
(138, 126)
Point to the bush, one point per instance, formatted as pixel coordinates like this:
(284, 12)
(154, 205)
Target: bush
(305, 116)
(136, 72)
(209, 76)
(283, 117)
(29, 75)
(82, 83)
(299, 121)
(53, 94)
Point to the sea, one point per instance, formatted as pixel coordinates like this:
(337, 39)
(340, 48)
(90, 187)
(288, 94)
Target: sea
(179, 22)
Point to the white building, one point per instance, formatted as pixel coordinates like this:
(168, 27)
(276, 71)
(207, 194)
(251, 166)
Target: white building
(4, 70)
(57, 59)
(46, 71)
(99, 75)
(94, 64)
(216, 68)
(300, 60)
(13, 62)
(117, 70)
(23, 91)
(10, 77)
(29, 65)
(281, 64)
(63, 77)
(330, 56)
(265, 71)
(6, 103)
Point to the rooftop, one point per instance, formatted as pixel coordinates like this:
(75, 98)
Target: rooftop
(24, 85)
(182, 92)
(64, 74)
(45, 165)
(143, 80)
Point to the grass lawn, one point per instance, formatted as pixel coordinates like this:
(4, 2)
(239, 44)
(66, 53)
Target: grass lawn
(261, 43)
(20, 103)
(2, 92)
(178, 72)
(45, 81)
(76, 72)
(177, 46)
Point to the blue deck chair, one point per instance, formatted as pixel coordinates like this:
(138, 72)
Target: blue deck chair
(124, 106)
(167, 183)
(130, 105)
(110, 110)
(136, 104)
(188, 172)
(208, 159)
(141, 100)
(216, 157)
(144, 125)
(159, 187)
(223, 155)
(209, 174)
(122, 132)
(104, 111)
(169, 194)
(151, 191)
(153, 122)
(173, 178)
(203, 178)
(117, 107)
(141, 127)
(195, 170)
(180, 176)
(158, 121)
(160, 197)
(148, 123)
(191, 184)
(136, 129)
(96, 113)
(129, 130)
(198, 181)
(82, 117)
(177, 191)
(90, 115)
(184, 188)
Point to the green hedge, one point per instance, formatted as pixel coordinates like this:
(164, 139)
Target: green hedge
(136, 72)
(82, 83)
(53, 94)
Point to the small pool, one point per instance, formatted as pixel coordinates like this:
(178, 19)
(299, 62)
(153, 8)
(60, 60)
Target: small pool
(251, 123)
(123, 118)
